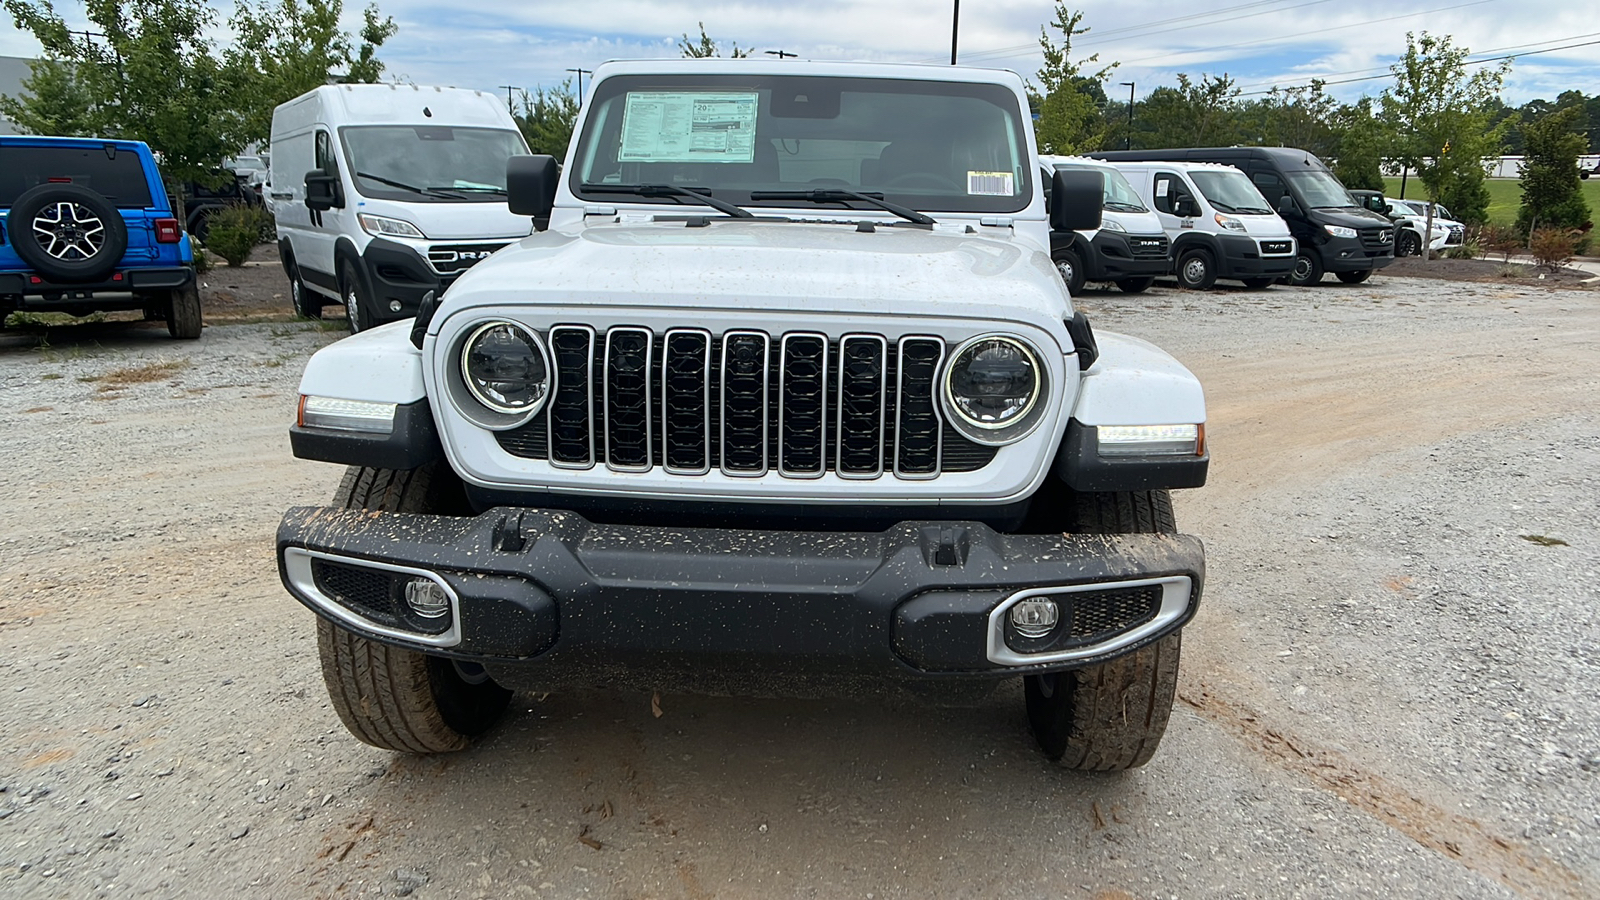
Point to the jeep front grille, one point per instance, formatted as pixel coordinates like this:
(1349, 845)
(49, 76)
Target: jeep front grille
(745, 403)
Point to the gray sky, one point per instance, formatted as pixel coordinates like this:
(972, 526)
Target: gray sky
(1260, 43)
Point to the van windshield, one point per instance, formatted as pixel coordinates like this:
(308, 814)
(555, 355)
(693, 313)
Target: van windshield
(930, 145)
(1119, 196)
(1230, 192)
(430, 163)
(1321, 190)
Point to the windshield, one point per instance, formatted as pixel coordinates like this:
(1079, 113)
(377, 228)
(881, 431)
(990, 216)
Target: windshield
(1321, 190)
(1230, 192)
(431, 163)
(929, 145)
(1119, 196)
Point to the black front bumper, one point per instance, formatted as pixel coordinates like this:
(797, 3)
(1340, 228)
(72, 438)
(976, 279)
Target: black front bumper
(547, 600)
(1117, 256)
(1241, 258)
(1354, 254)
(125, 289)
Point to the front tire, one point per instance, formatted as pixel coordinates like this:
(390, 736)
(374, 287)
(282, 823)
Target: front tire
(1353, 277)
(1071, 269)
(306, 304)
(1307, 269)
(1196, 270)
(1408, 244)
(1135, 285)
(390, 697)
(1112, 715)
(357, 305)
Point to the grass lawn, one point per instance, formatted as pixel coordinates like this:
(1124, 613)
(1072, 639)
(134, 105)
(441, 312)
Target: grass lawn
(1505, 195)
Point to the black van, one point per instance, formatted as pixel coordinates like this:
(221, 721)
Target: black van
(1334, 232)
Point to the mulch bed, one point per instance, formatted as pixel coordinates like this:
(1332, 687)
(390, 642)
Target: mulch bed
(1487, 270)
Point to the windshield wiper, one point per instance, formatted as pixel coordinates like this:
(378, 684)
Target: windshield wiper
(840, 195)
(424, 191)
(1253, 211)
(480, 188)
(1222, 207)
(1119, 206)
(670, 190)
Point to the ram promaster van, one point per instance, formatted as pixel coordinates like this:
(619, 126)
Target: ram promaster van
(1129, 248)
(1219, 224)
(1334, 232)
(384, 193)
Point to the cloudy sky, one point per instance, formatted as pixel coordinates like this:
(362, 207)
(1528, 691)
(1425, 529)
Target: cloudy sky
(1260, 43)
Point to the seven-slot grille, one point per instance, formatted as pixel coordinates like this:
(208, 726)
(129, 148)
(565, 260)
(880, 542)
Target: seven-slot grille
(745, 403)
(1276, 248)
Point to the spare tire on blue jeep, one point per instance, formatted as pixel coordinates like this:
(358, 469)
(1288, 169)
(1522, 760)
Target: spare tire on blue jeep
(68, 232)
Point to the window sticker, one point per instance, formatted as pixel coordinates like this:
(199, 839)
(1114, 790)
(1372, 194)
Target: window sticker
(1161, 187)
(683, 126)
(989, 184)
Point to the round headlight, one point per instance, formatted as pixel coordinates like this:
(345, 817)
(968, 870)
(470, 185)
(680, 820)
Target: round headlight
(993, 382)
(505, 369)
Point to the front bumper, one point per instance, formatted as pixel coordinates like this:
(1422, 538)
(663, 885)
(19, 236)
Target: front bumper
(1242, 258)
(1118, 256)
(547, 600)
(1354, 255)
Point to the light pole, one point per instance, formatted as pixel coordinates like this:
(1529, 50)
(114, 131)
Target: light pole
(1129, 85)
(581, 73)
(955, 29)
(509, 88)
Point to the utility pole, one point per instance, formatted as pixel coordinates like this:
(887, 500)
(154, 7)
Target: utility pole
(1129, 85)
(581, 73)
(781, 54)
(955, 29)
(509, 88)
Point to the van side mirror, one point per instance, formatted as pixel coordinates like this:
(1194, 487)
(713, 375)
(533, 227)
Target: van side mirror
(1075, 200)
(1285, 205)
(324, 191)
(1184, 206)
(531, 185)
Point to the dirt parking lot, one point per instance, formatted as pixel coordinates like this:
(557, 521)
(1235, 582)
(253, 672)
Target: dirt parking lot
(1389, 689)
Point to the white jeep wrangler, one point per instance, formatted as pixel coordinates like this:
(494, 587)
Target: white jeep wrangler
(787, 400)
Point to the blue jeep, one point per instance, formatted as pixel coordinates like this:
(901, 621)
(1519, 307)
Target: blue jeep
(86, 226)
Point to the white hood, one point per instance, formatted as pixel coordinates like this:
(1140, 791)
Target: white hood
(737, 265)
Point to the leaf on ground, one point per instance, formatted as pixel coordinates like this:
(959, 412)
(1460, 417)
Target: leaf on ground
(655, 704)
(1543, 541)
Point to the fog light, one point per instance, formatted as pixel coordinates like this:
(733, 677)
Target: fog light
(427, 598)
(394, 306)
(1035, 617)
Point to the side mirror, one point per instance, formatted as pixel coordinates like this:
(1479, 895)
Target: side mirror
(1285, 205)
(1184, 206)
(1388, 209)
(1075, 200)
(324, 191)
(531, 185)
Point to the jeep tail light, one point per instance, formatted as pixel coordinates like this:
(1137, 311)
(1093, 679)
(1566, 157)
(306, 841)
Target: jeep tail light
(168, 232)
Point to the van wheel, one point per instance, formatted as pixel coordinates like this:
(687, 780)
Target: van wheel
(1196, 271)
(1353, 277)
(357, 306)
(307, 305)
(1135, 285)
(1071, 269)
(1307, 269)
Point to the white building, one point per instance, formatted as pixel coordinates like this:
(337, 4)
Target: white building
(13, 69)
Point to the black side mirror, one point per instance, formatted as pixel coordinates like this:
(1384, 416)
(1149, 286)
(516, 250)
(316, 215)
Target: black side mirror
(1075, 200)
(1285, 205)
(531, 185)
(1184, 206)
(324, 191)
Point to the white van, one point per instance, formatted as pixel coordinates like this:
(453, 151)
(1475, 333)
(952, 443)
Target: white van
(1130, 248)
(1219, 224)
(385, 192)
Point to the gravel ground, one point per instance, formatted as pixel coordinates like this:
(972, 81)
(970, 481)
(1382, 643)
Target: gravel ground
(1388, 690)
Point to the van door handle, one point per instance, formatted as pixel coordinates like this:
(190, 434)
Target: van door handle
(282, 195)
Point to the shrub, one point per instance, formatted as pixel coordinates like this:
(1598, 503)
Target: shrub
(1553, 248)
(1501, 239)
(235, 230)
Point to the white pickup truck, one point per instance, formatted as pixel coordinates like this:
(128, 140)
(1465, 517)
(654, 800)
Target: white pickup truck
(788, 399)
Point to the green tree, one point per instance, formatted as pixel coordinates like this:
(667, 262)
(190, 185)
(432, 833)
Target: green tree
(546, 119)
(1193, 114)
(152, 76)
(56, 102)
(1300, 117)
(1359, 142)
(705, 47)
(1550, 186)
(1442, 122)
(283, 48)
(1070, 99)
